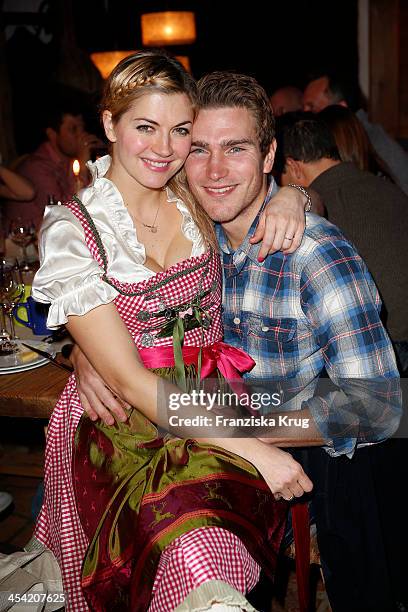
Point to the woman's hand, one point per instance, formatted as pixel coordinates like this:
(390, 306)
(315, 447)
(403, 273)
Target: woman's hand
(96, 398)
(283, 475)
(282, 223)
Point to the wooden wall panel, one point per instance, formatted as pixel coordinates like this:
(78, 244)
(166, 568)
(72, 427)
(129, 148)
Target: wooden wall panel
(403, 70)
(384, 64)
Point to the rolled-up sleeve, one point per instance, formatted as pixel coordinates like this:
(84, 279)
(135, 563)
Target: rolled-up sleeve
(342, 305)
(69, 278)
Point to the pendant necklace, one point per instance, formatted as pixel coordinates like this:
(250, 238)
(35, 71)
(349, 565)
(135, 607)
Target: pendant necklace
(153, 227)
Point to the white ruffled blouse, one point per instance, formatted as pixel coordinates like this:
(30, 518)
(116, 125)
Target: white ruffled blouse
(69, 278)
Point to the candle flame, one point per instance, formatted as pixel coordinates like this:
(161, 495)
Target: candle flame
(76, 167)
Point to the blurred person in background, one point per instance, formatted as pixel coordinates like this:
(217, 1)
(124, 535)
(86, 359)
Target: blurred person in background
(49, 167)
(371, 211)
(13, 186)
(286, 99)
(352, 140)
(326, 89)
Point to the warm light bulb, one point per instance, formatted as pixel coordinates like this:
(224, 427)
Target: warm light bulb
(105, 61)
(168, 28)
(76, 168)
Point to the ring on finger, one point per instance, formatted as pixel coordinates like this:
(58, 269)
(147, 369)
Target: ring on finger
(289, 237)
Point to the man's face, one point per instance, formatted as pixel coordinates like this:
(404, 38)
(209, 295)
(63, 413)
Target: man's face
(317, 95)
(68, 135)
(225, 169)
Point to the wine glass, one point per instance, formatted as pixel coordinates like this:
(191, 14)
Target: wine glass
(22, 233)
(5, 340)
(11, 292)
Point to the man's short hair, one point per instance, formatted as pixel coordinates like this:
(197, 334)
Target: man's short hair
(228, 89)
(64, 101)
(305, 138)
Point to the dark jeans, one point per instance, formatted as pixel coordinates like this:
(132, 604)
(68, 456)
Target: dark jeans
(361, 528)
(401, 351)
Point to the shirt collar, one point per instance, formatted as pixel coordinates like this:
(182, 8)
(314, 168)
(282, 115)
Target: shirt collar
(245, 249)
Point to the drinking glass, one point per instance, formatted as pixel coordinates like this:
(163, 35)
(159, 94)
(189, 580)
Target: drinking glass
(5, 263)
(22, 233)
(11, 292)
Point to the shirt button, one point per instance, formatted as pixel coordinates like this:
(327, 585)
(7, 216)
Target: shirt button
(237, 321)
(265, 328)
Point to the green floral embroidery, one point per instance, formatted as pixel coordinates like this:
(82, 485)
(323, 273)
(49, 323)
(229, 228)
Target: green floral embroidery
(96, 456)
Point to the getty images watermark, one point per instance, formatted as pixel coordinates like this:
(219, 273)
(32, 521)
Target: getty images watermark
(367, 410)
(219, 401)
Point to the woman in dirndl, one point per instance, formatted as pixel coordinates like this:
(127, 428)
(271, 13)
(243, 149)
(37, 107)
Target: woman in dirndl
(139, 519)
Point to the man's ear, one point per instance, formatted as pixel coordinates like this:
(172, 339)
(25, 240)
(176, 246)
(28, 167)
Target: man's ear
(51, 135)
(269, 158)
(296, 170)
(108, 126)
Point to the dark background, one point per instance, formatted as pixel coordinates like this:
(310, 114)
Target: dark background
(279, 42)
(274, 40)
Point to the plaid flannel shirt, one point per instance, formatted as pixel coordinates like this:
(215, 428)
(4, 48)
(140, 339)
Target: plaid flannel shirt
(314, 310)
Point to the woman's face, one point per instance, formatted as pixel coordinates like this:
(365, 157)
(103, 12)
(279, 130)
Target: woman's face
(151, 140)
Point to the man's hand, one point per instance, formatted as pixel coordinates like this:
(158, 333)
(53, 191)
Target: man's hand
(282, 223)
(97, 399)
(284, 476)
(86, 143)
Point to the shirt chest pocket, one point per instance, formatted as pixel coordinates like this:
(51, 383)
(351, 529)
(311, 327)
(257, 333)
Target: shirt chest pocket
(273, 343)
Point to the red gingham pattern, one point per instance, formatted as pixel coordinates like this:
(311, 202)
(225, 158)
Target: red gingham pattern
(181, 290)
(208, 553)
(58, 526)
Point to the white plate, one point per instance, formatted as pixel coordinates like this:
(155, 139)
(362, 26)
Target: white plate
(32, 366)
(25, 359)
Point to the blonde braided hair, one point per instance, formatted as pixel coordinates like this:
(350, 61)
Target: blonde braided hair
(150, 71)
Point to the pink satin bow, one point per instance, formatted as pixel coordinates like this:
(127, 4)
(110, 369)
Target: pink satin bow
(232, 362)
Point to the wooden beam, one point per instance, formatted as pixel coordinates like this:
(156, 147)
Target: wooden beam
(384, 64)
(403, 67)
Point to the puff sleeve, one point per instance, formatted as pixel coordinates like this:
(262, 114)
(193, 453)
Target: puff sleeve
(69, 278)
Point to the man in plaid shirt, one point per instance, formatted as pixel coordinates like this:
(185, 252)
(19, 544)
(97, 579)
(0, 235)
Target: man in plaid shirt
(299, 315)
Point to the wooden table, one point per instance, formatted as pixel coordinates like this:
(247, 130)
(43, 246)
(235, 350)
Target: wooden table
(31, 394)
